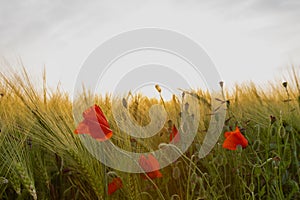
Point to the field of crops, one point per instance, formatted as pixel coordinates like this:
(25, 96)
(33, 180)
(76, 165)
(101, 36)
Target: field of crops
(256, 156)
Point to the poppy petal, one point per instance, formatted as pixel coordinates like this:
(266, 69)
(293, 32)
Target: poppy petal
(174, 136)
(81, 128)
(144, 163)
(233, 139)
(114, 185)
(154, 174)
(230, 143)
(153, 162)
(151, 166)
(94, 124)
(227, 134)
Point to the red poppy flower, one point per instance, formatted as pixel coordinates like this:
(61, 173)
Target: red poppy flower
(151, 166)
(114, 185)
(233, 139)
(95, 124)
(174, 136)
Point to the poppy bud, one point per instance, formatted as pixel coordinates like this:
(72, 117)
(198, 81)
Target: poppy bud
(284, 84)
(170, 123)
(221, 84)
(29, 142)
(252, 187)
(193, 116)
(257, 171)
(124, 102)
(174, 98)
(194, 178)
(282, 132)
(176, 173)
(257, 145)
(239, 148)
(66, 170)
(180, 114)
(227, 103)
(276, 162)
(3, 180)
(133, 142)
(157, 87)
(273, 119)
(186, 106)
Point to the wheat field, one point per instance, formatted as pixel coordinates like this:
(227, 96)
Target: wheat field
(42, 158)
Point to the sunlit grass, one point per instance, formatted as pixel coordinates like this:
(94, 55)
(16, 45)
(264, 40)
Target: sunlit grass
(42, 158)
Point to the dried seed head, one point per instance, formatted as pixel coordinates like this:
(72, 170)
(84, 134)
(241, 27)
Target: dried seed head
(284, 84)
(157, 87)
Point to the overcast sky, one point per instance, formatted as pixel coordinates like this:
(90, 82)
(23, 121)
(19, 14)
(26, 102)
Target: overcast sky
(247, 40)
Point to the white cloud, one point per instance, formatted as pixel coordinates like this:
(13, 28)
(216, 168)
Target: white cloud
(241, 36)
